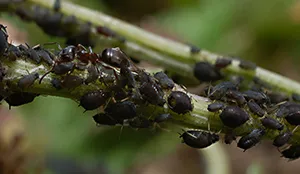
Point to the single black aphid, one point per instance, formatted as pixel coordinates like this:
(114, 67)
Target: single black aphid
(206, 72)
(293, 118)
(287, 108)
(56, 83)
(214, 107)
(140, 122)
(222, 63)
(13, 52)
(292, 153)
(162, 117)
(229, 137)
(247, 65)
(20, 98)
(93, 74)
(152, 93)
(104, 119)
(234, 116)
(63, 68)
(94, 99)
(194, 49)
(45, 55)
(180, 102)
(56, 6)
(276, 97)
(127, 77)
(164, 81)
(27, 80)
(71, 81)
(33, 55)
(271, 123)
(219, 91)
(255, 108)
(257, 96)
(250, 140)
(121, 110)
(3, 39)
(296, 97)
(282, 139)
(236, 96)
(199, 139)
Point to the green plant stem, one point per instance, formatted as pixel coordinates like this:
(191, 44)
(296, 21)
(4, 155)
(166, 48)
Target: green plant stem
(177, 51)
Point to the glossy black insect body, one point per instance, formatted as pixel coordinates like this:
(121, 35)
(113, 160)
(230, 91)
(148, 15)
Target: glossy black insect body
(164, 81)
(293, 118)
(277, 97)
(234, 116)
(180, 102)
(71, 81)
(3, 39)
(194, 49)
(140, 122)
(45, 55)
(33, 55)
(104, 119)
(63, 68)
(251, 139)
(121, 110)
(56, 83)
(271, 123)
(219, 91)
(247, 65)
(27, 80)
(258, 97)
(255, 108)
(162, 117)
(67, 54)
(236, 96)
(13, 52)
(222, 63)
(93, 100)
(206, 72)
(199, 139)
(282, 139)
(20, 98)
(113, 56)
(152, 93)
(287, 108)
(127, 77)
(292, 153)
(214, 107)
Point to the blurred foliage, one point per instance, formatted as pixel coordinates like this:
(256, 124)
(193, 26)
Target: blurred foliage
(264, 31)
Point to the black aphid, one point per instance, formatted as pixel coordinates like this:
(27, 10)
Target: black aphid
(56, 83)
(180, 102)
(162, 117)
(219, 91)
(199, 139)
(27, 80)
(127, 77)
(296, 97)
(271, 123)
(277, 97)
(236, 96)
(247, 65)
(121, 110)
(20, 98)
(13, 52)
(255, 108)
(234, 116)
(282, 139)
(257, 96)
(45, 55)
(3, 39)
(63, 68)
(287, 108)
(140, 122)
(292, 153)
(164, 81)
(33, 55)
(93, 74)
(206, 72)
(251, 139)
(222, 63)
(104, 119)
(194, 49)
(293, 118)
(152, 93)
(214, 107)
(93, 100)
(71, 81)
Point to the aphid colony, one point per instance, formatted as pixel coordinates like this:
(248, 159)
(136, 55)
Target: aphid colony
(131, 87)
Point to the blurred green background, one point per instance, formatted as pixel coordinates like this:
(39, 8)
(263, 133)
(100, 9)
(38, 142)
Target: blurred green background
(266, 32)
